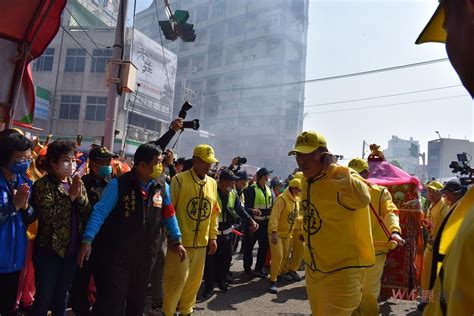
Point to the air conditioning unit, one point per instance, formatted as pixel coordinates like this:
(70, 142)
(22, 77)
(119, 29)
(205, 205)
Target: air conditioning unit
(194, 69)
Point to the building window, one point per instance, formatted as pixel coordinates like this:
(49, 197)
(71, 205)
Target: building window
(197, 63)
(218, 9)
(45, 61)
(217, 33)
(99, 59)
(234, 27)
(69, 107)
(234, 54)
(95, 108)
(201, 38)
(201, 14)
(75, 60)
(215, 58)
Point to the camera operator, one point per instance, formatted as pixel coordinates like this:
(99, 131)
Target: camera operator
(236, 163)
(164, 140)
(169, 168)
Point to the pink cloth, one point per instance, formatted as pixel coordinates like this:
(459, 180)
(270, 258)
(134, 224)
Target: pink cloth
(26, 281)
(385, 174)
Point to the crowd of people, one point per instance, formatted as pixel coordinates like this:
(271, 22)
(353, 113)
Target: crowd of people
(70, 222)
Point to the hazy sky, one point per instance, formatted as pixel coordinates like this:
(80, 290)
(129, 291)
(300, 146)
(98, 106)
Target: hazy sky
(361, 35)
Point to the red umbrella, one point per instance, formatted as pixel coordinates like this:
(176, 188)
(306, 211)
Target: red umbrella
(26, 29)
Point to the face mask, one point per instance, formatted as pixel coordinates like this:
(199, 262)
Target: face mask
(157, 171)
(66, 168)
(229, 189)
(19, 167)
(281, 190)
(104, 171)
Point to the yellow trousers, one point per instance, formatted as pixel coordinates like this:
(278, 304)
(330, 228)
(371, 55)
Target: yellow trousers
(296, 251)
(279, 256)
(181, 280)
(337, 293)
(426, 272)
(369, 305)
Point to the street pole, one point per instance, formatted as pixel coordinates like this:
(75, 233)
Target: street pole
(363, 149)
(114, 85)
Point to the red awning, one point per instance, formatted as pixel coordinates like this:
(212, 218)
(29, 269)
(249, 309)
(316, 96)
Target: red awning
(26, 29)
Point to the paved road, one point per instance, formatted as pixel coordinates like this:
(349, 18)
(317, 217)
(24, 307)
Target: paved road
(250, 297)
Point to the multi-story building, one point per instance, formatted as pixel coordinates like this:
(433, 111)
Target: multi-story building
(237, 74)
(406, 152)
(441, 152)
(73, 69)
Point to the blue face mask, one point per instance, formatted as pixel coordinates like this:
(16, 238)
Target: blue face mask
(19, 167)
(105, 171)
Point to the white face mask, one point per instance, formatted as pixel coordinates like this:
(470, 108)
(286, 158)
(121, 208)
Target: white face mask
(66, 168)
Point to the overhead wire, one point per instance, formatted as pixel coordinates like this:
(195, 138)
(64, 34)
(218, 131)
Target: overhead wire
(85, 31)
(75, 40)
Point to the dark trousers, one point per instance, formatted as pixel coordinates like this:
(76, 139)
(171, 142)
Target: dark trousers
(249, 241)
(218, 265)
(127, 279)
(53, 278)
(97, 266)
(8, 290)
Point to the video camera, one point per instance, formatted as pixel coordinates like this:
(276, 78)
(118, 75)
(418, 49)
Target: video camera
(240, 161)
(463, 168)
(194, 124)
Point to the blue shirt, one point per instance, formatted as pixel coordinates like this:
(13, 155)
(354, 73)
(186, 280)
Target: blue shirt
(109, 200)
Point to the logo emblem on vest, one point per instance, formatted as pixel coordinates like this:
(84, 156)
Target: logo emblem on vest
(198, 209)
(292, 216)
(157, 199)
(312, 221)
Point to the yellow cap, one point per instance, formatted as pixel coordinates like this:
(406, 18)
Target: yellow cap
(434, 30)
(359, 165)
(307, 142)
(295, 183)
(434, 185)
(205, 152)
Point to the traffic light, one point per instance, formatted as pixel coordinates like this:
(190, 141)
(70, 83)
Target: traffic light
(185, 30)
(413, 150)
(168, 30)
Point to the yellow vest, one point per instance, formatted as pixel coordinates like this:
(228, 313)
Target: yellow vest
(197, 209)
(435, 214)
(381, 201)
(337, 221)
(456, 277)
(230, 203)
(262, 201)
(284, 214)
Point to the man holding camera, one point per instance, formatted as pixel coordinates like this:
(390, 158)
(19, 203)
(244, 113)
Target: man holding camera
(258, 199)
(218, 265)
(336, 228)
(453, 24)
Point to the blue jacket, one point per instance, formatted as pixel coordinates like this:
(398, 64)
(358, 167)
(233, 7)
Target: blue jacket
(13, 239)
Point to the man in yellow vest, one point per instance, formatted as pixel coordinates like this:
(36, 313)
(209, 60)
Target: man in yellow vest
(258, 198)
(381, 203)
(280, 226)
(452, 24)
(336, 226)
(194, 196)
(434, 216)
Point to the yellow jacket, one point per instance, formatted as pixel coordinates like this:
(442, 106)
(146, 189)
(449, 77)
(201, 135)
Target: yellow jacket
(381, 201)
(284, 214)
(337, 221)
(195, 202)
(457, 275)
(435, 215)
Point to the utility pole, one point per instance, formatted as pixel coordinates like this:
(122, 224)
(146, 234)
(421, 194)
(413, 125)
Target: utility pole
(363, 149)
(114, 84)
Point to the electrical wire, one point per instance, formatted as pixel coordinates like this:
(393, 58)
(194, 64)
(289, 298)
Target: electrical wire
(386, 105)
(82, 28)
(75, 40)
(161, 40)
